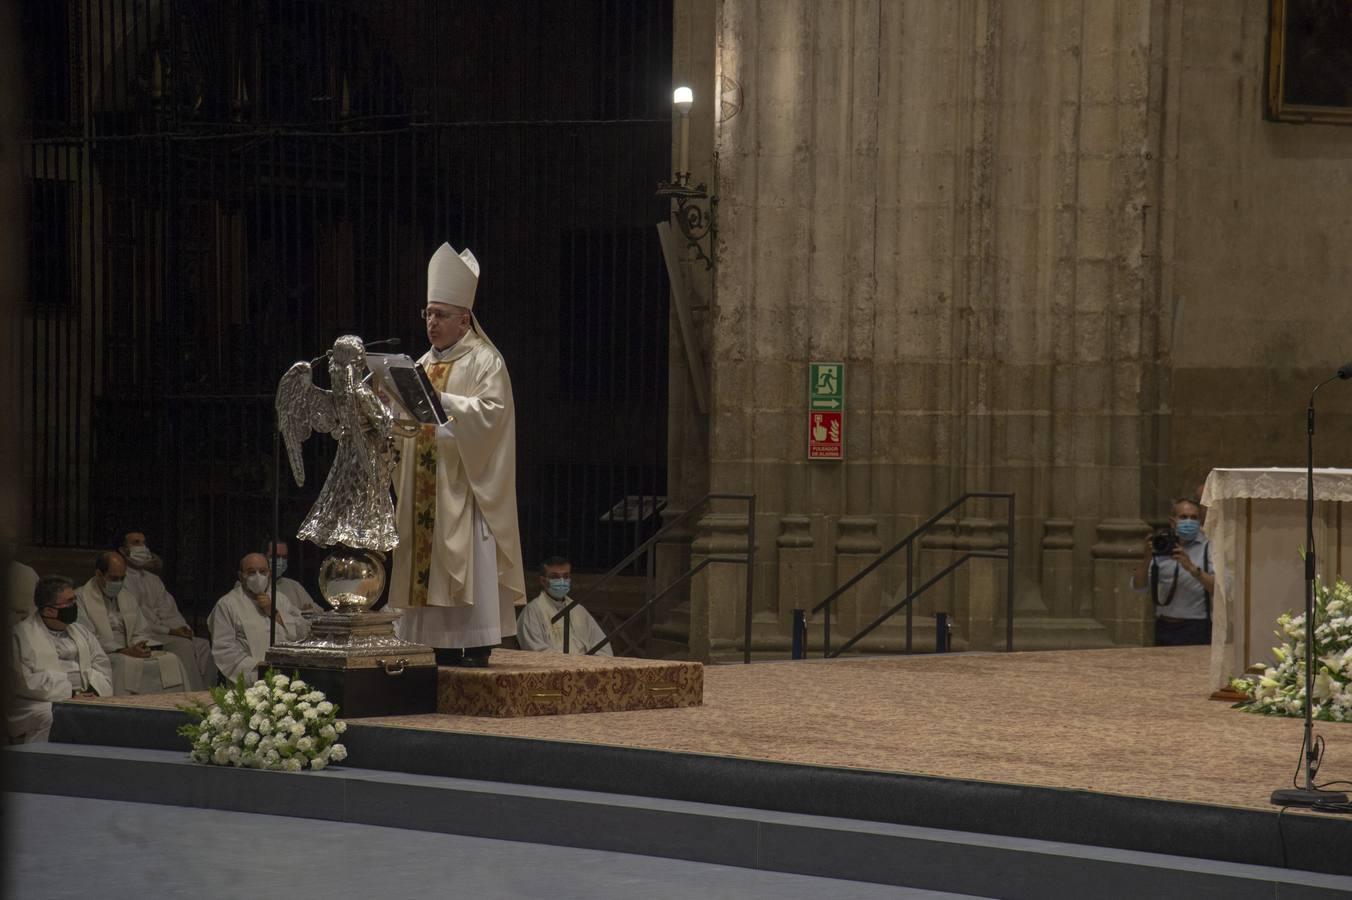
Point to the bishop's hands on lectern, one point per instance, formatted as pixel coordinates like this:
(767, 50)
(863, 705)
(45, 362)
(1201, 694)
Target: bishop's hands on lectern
(457, 572)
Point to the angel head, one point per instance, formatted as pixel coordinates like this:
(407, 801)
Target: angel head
(348, 350)
(347, 362)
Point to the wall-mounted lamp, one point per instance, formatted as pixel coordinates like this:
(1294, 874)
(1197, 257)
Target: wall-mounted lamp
(695, 221)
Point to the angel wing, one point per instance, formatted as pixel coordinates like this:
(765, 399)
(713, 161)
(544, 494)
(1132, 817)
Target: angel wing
(302, 408)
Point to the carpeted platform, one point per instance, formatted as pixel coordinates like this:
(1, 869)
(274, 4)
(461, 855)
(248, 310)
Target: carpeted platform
(1134, 722)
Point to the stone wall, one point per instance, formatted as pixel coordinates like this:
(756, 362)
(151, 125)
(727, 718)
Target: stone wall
(1061, 255)
(1257, 258)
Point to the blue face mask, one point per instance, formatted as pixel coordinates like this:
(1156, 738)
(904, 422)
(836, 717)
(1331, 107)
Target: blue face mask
(558, 587)
(1187, 528)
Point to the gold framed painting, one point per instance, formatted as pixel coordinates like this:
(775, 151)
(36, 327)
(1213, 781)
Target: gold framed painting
(1309, 72)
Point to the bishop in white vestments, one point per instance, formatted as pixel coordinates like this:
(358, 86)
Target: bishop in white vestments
(457, 572)
(239, 622)
(53, 657)
(113, 613)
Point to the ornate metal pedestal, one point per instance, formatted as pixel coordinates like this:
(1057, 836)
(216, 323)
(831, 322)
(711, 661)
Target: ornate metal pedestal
(361, 665)
(352, 654)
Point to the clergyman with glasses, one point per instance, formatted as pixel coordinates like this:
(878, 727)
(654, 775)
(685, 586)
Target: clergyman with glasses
(457, 573)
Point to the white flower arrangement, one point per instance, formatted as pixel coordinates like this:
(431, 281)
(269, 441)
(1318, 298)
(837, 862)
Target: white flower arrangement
(1280, 691)
(279, 723)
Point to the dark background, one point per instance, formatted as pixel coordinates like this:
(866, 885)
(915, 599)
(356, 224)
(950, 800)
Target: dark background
(218, 188)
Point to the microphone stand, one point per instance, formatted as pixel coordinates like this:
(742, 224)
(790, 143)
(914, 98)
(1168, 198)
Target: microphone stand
(276, 526)
(1309, 795)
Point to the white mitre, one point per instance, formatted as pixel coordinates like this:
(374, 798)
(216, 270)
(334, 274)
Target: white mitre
(453, 278)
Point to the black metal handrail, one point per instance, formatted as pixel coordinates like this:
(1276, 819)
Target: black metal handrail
(1005, 552)
(648, 547)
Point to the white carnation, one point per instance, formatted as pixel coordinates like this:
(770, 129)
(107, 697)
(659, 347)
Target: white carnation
(279, 709)
(220, 757)
(311, 715)
(340, 726)
(251, 738)
(337, 753)
(299, 686)
(265, 727)
(303, 705)
(280, 681)
(317, 764)
(298, 729)
(325, 708)
(314, 697)
(289, 697)
(294, 764)
(305, 744)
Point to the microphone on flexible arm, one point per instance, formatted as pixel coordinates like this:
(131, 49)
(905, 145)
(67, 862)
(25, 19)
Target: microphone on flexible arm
(1345, 371)
(392, 343)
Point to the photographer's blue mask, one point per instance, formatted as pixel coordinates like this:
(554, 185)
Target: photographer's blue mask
(1187, 528)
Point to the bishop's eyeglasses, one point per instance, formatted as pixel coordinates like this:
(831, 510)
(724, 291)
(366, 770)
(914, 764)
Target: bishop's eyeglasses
(437, 315)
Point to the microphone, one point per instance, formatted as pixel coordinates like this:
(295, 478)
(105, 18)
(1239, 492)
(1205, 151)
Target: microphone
(393, 344)
(1345, 371)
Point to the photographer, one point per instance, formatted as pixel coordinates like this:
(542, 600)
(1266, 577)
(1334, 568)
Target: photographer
(1176, 569)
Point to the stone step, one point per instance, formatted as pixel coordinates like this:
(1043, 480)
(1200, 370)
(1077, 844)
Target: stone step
(1057, 633)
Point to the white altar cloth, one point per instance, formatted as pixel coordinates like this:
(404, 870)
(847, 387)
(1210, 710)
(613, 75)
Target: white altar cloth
(1256, 523)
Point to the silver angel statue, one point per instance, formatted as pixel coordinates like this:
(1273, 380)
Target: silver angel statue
(354, 508)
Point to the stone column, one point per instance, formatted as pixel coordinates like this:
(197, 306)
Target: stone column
(796, 579)
(671, 621)
(979, 585)
(1058, 569)
(1128, 614)
(718, 592)
(857, 545)
(935, 552)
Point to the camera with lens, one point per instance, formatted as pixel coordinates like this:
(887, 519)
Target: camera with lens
(1163, 542)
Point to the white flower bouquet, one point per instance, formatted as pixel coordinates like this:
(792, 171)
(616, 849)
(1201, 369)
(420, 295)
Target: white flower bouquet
(278, 723)
(1281, 689)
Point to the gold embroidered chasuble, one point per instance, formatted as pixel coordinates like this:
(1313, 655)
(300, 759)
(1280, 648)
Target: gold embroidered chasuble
(442, 477)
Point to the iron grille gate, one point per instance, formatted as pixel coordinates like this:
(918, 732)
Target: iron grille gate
(218, 188)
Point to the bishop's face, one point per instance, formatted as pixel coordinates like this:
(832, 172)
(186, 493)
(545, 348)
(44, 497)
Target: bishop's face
(446, 324)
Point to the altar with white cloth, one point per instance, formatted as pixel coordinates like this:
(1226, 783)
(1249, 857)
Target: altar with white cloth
(1256, 524)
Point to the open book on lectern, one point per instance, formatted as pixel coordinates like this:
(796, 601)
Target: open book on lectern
(405, 382)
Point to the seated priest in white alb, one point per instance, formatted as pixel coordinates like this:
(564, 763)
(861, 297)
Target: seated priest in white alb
(161, 613)
(21, 582)
(54, 657)
(537, 631)
(295, 591)
(239, 623)
(113, 613)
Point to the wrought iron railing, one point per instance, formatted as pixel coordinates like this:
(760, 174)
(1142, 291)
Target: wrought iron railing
(649, 547)
(1000, 551)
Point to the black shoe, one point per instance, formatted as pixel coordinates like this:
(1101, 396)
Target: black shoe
(449, 657)
(476, 657)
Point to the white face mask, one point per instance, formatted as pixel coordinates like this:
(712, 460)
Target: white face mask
(140, 554)
(256, 582)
